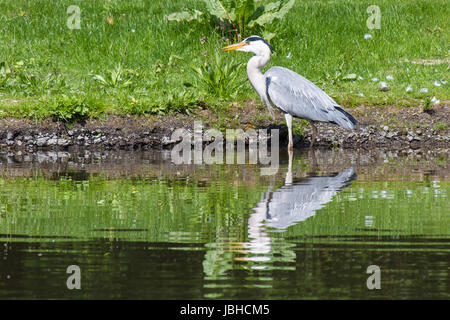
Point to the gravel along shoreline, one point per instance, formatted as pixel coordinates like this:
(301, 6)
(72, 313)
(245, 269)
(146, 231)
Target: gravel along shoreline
(387, 128)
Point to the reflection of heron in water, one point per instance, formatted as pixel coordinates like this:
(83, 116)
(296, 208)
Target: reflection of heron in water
(292, 203)
(279, 209)
(295, 202)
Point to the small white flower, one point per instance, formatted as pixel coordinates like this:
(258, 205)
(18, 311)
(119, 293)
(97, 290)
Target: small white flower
(360, 78)
(374, 79)
(361, 94)
(132, 30)
(389, 77)
(289, 55)
(423, 90)
(383, 84)
(408, 89)
(434, 100)
(367, 36)
(436, 83)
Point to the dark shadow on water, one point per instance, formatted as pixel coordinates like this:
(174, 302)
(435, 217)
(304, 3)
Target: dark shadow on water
(141, 270)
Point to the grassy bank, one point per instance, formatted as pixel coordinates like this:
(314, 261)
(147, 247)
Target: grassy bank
(127, 58)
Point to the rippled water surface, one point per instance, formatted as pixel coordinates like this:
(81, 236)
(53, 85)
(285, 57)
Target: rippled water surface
(141, 227)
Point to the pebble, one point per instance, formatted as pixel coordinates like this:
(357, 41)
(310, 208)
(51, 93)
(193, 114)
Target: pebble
(52, 141)
(390, 135)
(62, 142)
(40, 142)
(383, 86)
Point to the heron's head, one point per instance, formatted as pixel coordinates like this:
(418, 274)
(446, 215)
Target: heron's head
(254, 44)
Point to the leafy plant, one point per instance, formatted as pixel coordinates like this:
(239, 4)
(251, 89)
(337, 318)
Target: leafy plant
(37, 84)
(181, 101)
(168, 102)
(220, 77)
(440, 126)
(427, 105)
(299, 128)
(70, 109)
(240, 16)
(117, 77)
(24, 77)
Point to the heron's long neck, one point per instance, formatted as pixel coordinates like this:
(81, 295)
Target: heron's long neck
(254, 66)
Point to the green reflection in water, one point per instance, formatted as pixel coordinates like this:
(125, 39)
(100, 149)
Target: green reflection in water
(246, 242)
(161, 210)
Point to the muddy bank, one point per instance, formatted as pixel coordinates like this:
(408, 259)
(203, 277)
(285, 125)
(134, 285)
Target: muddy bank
(379, 127)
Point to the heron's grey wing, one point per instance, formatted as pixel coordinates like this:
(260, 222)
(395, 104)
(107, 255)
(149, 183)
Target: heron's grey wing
(296, 95)
(291, 204)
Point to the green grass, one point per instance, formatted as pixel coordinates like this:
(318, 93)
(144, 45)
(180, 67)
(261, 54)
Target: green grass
(44, 65)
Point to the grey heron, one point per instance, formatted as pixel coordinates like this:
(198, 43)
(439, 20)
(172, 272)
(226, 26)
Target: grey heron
(288, 91)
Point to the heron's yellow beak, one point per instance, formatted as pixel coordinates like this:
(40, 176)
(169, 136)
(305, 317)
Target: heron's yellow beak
(234, 46)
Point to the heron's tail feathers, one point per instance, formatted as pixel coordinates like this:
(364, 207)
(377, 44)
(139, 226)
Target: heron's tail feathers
(345, 120)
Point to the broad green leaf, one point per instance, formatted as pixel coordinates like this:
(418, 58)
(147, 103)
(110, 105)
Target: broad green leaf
(215, 8)
(285, 8)
(272, 6)
(184, 16)
(268, 35)
(269, 16)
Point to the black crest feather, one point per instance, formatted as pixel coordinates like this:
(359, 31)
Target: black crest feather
(256, 38)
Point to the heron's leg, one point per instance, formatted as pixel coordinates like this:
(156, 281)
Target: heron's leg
(288, 179)
(314, 133)
(289, 125)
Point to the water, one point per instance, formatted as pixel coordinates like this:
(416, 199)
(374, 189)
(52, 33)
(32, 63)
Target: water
(140, 227)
